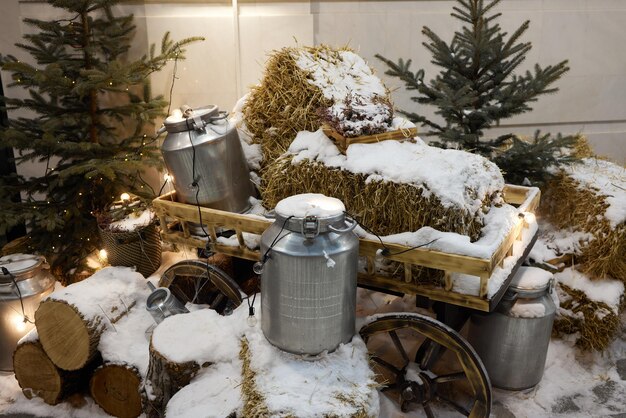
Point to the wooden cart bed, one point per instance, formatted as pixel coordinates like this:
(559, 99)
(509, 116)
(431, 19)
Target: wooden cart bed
(175, 218)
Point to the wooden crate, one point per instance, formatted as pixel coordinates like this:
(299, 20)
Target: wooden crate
(175, 218)
(343, 143)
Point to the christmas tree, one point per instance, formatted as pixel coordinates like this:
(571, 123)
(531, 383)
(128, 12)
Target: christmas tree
(90, 111)
(478, 86)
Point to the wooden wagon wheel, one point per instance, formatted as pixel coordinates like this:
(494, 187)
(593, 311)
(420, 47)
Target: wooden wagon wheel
(415, 382)
(199, 282)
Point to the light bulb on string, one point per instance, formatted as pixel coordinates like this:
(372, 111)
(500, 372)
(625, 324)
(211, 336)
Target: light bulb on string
(125, 197)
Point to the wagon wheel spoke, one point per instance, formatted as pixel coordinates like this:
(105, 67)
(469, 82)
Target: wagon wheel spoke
(386, 365)
(459, 408)
(418, 384)
(399, 347)
(428, 410)
(196, 281)
(450, 377)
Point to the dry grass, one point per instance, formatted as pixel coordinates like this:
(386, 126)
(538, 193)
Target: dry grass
(567, 205)
(595, 322)
(284, 103)
(254, 402)
(384, 207)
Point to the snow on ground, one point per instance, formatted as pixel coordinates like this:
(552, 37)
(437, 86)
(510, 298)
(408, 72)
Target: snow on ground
(575, 384)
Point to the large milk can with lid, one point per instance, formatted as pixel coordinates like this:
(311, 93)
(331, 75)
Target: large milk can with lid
(513, 340)
(308, 283)
(203, 154)
(34, 282)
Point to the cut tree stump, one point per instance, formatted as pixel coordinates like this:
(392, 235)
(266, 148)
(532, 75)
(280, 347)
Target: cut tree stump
(71, 320)
(39, 377)
(117, 389)
(165, 378)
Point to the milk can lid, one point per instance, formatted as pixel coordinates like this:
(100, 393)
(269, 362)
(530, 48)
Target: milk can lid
(530, 281)
(19, 263)
(181, 120)
(310, 204)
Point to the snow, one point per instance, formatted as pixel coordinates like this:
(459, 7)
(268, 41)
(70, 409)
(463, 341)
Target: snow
(214, 393)
(608, 179)
(132, 222)
(296, 387)
(340, 74)
(470, 285)
(16, 263)
(252, 152)
(552, 243)
(310, 204)
(527, 309)
(207, 329)
(531, 278)
(129, 341)
(459, 179)
(107, 292)
(606, 290)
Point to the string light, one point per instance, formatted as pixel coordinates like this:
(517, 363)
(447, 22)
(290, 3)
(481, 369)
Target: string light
(103, 256)
(124, 197)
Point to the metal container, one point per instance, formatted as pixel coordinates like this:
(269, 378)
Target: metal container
(308, 282)
(513, 340)
(34, 282)
(161, 304)
(204, 143)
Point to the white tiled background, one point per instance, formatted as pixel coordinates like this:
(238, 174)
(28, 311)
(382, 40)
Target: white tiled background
(240, 34)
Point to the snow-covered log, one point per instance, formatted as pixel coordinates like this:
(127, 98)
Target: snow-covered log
(184, 344)
(71, 320)
(39, 377)
(118, 385)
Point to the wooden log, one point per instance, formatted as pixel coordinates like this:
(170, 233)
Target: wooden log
(39, 377)
(71, 320)
(166, 377)
(184, 344)
(118, 386)
(117, 389)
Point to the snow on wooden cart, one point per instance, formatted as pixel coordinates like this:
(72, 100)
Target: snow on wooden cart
(474, 279)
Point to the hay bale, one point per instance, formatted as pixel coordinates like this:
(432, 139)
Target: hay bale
(298, 85)
(591, 197)
(279, 384)
(595, 323)
(390, 187)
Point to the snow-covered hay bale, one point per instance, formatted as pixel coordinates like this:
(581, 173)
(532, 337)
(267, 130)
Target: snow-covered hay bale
(588, 309)
(590, 197)
(390, 186)
(302, 86)
(279, 384)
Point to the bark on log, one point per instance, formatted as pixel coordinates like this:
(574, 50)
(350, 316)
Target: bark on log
(71, 320)
(39, 377)
(164, 379)
(117, 389)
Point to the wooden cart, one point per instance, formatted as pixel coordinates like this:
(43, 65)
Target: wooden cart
(419, 380)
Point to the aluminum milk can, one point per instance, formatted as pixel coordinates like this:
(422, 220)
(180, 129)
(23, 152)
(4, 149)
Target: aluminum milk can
(513, 340)
(220, 169)
(34, 282)
(308, 283)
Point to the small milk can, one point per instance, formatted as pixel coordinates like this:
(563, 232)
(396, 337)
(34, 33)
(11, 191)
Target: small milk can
(308, 282)
(203, 154)
(34, 282)
(513, 340)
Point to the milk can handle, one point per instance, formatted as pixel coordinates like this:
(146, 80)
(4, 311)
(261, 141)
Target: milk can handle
(351, 225)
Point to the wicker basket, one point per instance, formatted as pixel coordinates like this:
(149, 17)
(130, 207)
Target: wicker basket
(140, 248)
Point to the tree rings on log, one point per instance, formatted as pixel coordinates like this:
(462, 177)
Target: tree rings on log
(39, 377)
(116, 388)
(69, 340)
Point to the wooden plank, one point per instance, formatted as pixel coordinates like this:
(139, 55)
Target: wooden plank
(212, 216)
(429, 258)
(430, 291)
(504, 247)
(343, 143)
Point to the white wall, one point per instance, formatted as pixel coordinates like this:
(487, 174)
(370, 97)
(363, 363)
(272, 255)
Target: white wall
(590, 33)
